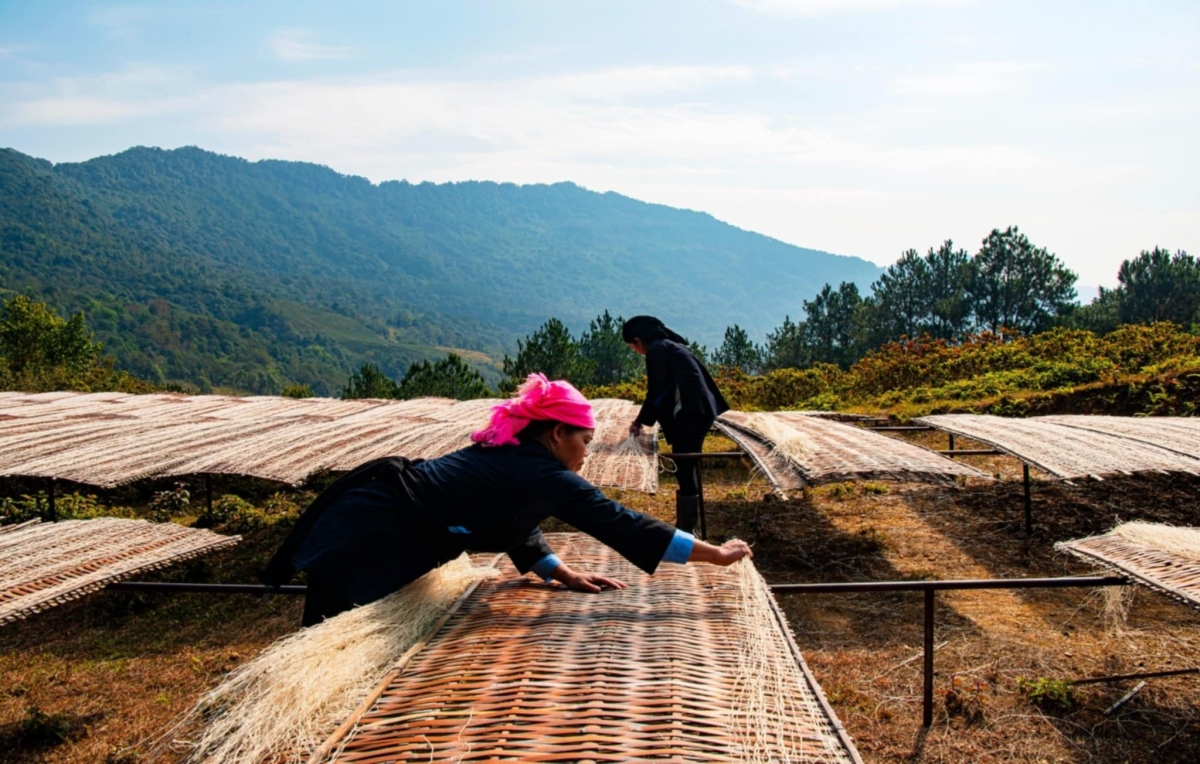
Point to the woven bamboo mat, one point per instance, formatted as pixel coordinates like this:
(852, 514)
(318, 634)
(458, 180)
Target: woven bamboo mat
(47, 564)
(657, 672)
(1068, 452)
(1174, 433)
(108, 439)
(1177, 577)
(838, 452)
(779, 472)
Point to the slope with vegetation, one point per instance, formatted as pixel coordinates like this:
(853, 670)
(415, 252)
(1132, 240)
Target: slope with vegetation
(215, 272)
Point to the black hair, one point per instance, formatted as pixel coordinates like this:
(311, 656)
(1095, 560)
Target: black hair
(648, 329)
(539, 427)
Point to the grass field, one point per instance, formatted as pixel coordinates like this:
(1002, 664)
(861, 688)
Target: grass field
(94, 680)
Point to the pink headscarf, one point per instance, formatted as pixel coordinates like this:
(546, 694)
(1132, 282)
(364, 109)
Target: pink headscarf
(538, 398)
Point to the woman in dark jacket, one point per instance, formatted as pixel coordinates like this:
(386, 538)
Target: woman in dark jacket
(392, 520)
(682, 397)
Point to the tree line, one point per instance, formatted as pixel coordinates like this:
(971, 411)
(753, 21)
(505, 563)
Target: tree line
(1010, 286)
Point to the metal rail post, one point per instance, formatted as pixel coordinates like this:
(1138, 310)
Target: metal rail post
(929, 588)
(927, 696)
(1028, 505)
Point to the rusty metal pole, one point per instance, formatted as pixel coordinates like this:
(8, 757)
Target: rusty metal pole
(927, 698)
(1028, 505)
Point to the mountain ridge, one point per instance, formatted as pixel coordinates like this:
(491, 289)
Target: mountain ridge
(471, 264)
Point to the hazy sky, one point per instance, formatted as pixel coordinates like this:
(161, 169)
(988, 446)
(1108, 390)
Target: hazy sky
(861, 127)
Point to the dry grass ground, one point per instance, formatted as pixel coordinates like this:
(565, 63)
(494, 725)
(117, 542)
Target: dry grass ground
(109, 671)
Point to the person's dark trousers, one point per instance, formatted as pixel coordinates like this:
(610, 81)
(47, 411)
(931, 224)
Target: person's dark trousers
(686, 435)
(687, 512)
(325, 598)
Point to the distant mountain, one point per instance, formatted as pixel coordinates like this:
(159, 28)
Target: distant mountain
(201, 268)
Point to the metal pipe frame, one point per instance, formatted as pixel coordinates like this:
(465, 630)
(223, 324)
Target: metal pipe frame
(930, 588)
(1028, 504)
(185, 588)
(971, 452)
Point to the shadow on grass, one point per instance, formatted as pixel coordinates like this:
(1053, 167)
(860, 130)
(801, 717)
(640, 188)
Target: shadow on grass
(113, 625)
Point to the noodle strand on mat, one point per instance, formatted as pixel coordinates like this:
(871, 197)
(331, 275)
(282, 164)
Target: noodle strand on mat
(282, 705)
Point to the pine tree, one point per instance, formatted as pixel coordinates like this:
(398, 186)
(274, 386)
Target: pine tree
(370, 382)
(787, 346)
(1156, 286)
(551, 351)
(1017, 286)
(603, 347)
(450, 377)
(738, 352)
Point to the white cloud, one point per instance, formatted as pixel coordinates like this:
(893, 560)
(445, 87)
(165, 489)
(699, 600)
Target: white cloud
(539, 53)
(85, 110)
(829, 7)
(12, 51)
(296, 46)
(973, 79)
(123, 21)
(138, 90)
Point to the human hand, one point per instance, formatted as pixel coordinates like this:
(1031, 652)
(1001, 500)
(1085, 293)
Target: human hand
(732, 551)
(635, 428)
(591, 582)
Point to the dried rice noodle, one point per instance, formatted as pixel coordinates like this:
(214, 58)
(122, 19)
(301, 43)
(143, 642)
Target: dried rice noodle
(765, 693)
(786, 441)
(281, 706)
(1183, 542)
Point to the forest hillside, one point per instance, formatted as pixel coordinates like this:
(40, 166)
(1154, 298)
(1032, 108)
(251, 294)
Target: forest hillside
(212, 271)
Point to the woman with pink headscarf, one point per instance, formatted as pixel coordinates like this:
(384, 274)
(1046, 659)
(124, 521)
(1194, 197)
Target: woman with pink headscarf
(392, 520)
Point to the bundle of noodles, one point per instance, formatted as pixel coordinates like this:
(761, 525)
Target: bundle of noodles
(633, 470)
(281, 706)
(787, 442)
(767, 693)
(1182, 542)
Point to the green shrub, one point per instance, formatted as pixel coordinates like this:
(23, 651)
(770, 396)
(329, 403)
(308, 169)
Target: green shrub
(233, 514)
(168, 504)
(297, 391)
(1048, 694)
(72, 506)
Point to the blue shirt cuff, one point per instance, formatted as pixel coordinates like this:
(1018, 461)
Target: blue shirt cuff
(680, 548)
(545, 566)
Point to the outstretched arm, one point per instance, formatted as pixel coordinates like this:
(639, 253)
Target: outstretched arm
(726, 554)
(583, 581)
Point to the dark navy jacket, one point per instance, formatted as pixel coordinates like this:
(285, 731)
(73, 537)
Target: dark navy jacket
(392, 520)
(671, 368)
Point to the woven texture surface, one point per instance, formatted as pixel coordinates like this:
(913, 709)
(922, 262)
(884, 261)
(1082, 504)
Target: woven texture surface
(528, 672)
(839, 452)
(1174, 433)
(46, 564)
(779, 472)
(107, 439)
(1177, 577)
(1068, 452)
